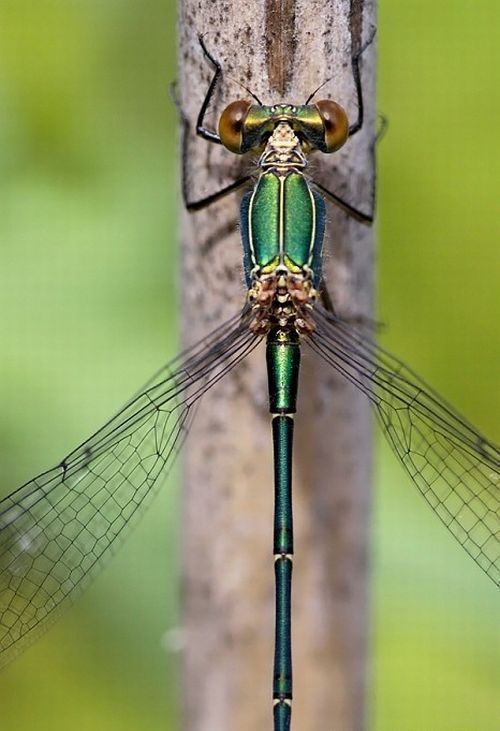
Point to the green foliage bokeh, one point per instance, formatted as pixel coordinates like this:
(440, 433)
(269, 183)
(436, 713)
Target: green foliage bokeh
(88, 190)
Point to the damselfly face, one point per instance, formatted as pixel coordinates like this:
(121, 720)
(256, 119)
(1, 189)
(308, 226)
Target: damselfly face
(244, 126)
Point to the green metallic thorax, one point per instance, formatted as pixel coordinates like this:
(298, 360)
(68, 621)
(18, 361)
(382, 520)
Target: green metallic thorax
(282, 224)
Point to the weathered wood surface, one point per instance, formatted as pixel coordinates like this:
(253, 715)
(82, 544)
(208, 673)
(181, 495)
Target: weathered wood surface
(282, 50)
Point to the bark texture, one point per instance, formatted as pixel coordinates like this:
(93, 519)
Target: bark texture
(281, 50)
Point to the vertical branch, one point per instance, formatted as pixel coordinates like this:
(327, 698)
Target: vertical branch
(281, 50)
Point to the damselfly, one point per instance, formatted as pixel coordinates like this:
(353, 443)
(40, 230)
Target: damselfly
(57, 530)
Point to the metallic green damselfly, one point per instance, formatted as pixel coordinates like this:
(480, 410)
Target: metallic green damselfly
(57, 529)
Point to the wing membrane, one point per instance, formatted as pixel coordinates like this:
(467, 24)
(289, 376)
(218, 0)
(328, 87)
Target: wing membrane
(57, 530)
(455, 467)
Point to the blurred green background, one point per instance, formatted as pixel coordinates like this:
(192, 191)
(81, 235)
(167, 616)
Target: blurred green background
(87, 311)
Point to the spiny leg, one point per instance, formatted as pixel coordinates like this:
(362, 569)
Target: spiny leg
(201, 130)
(206, 134)
(355, 213)
(352, 211)
(356, 74)
(365, 217)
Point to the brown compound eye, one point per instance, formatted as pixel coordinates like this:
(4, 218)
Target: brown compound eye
(231, 124)
(335, 124)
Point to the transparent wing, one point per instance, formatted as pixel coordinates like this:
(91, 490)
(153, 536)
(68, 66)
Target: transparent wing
(57, 530)
(455, 468)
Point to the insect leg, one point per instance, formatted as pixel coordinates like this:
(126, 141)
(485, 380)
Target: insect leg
(356, 73)
(365, 217)
(205, 133)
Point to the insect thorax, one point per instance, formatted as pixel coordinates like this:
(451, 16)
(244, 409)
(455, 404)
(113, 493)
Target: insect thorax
(282, 222)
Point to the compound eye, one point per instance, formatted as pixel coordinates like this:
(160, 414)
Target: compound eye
(335, 124)
(231, 124)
